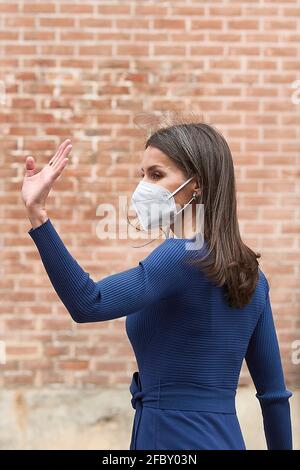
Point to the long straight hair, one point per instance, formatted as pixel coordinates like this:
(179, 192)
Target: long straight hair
(198, 148)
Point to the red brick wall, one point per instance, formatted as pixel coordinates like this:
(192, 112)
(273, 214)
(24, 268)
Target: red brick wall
(82, 71)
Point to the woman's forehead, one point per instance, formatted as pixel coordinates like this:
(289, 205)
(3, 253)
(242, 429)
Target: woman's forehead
(153, 156)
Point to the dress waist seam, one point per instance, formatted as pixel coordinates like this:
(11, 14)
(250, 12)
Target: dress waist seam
(181, 396)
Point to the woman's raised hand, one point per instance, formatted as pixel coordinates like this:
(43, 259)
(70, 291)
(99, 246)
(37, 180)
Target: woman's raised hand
(37, 185)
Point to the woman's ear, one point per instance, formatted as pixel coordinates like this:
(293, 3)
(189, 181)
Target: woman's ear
(196, 188)
(197, 191)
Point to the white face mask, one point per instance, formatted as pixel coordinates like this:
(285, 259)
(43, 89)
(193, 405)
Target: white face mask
(155, 205)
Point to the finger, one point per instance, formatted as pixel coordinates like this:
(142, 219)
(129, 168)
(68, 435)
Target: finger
(59, 151)
(29, 166)
(63, 164)
(64, 154)
(60, 167)
(61, 148)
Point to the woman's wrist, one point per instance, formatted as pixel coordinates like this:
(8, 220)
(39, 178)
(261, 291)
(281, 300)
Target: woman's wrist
(37, 216)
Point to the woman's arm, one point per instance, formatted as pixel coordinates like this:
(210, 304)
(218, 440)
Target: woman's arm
(264, 364)
(160, 274)
(37, 217)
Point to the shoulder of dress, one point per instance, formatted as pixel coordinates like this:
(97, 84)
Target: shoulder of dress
(173, 251)
(263, 279)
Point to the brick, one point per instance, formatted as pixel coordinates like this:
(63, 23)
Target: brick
(16, 21)
(53, 351)
(113, 10)
(8, 35)
(95, 23)
(154, 10)
(76, 9)
(11, 7)
(17, 380)
(57, 22)
(73, 365)
(20, 324)
(23, 103)
(206, 24)
(20, 49)
(243, 24)
(39, 35)
(38, 8)
(164, 23)
(105, 50)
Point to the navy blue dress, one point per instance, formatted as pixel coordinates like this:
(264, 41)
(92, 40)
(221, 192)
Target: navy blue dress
(188, 343)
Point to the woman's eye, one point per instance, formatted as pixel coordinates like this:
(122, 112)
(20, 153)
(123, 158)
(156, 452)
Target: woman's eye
(153, 175)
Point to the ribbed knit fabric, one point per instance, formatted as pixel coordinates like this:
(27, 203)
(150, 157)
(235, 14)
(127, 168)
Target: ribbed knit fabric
(181, 330)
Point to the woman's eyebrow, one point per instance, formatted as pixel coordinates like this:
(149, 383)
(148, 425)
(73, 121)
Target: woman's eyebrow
(152, 167)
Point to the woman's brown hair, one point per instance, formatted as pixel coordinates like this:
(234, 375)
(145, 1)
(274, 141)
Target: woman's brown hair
(198, 148)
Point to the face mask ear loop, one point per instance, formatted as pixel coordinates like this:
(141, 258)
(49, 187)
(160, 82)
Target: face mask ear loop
(182, 209)
(181, 186)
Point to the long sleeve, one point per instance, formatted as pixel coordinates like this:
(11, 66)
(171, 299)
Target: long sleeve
(159, 275)
(264, 364)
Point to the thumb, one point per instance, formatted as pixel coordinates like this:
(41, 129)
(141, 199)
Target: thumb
(29, 166)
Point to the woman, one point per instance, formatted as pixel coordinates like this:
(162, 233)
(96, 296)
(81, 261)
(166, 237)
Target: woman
(192, 314)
